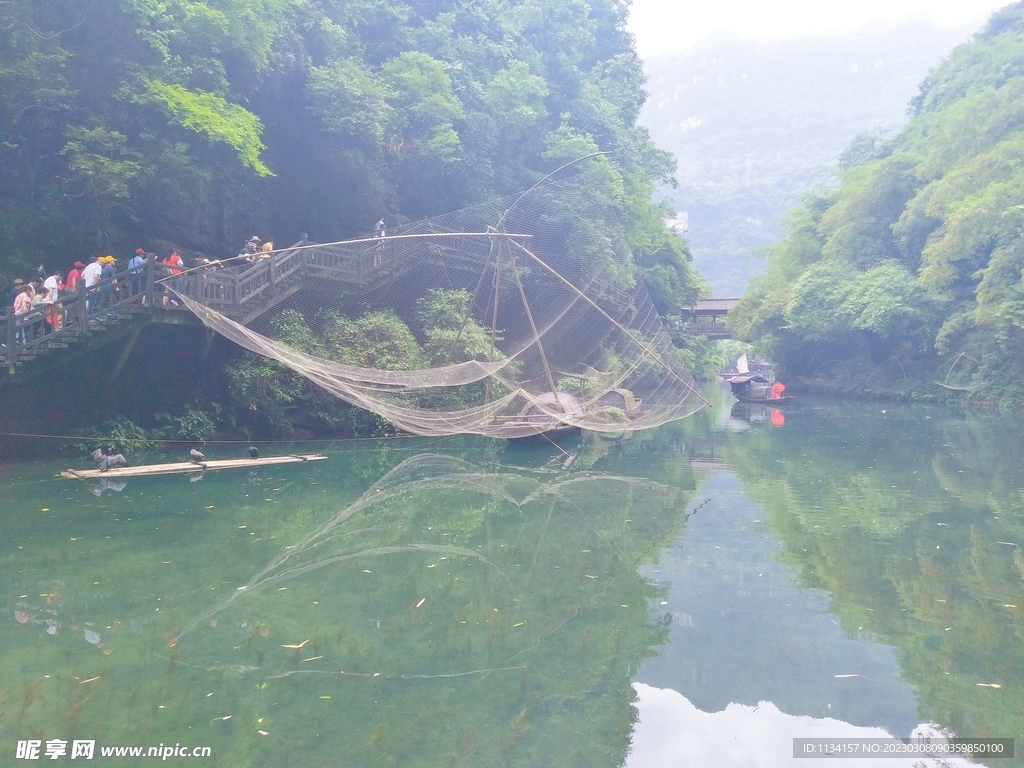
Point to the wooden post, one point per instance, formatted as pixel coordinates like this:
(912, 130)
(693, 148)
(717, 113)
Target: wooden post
(150, 297)
(125, 354)
(80, 307)
(12, 339)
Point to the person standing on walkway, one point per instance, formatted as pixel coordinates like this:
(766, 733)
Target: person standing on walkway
(22, 306)
(136, 264)
(71, 284)
(107, 281)
(23, 301)
(173, 261)
(12, 294)
(90, 278)
(52, 286)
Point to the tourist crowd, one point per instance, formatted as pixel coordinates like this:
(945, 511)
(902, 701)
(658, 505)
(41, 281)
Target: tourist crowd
(40, 304)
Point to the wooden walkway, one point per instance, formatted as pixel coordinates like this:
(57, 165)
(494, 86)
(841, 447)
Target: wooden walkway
(708, 317)
(243, 291)
(132, 297)
(246, 291)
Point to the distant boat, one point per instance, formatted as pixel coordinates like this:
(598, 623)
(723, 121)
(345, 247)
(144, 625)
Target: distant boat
(753, 388)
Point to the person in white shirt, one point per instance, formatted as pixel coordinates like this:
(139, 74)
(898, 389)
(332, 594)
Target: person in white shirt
(52, 286)
(51, 290)
(91, 277)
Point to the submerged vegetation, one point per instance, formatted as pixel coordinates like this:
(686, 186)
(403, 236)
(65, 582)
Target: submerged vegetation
(907, 278)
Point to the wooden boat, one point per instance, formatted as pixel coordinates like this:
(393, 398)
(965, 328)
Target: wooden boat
(545, 424)
(752, 388)
(548, 425)
(187, 467)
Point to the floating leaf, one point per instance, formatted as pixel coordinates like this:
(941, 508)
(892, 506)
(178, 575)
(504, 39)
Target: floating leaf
(421, 602)
(92, 637)
(262, 733)
(298, 645)
(840, 677)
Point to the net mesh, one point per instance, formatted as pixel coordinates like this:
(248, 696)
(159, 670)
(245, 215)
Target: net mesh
(508, 319)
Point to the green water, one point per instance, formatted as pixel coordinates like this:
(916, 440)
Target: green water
(467, 602)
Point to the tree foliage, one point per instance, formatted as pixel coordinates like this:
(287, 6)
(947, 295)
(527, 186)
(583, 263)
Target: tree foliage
(917, 254)
(196, 123)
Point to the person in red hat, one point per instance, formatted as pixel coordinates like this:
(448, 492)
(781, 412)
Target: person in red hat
(137, 262)
(74, 276)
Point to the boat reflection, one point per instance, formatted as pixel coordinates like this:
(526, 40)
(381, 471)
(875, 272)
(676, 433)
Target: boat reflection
(752, 413)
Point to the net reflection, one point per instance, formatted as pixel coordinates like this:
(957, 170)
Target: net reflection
(507, 598)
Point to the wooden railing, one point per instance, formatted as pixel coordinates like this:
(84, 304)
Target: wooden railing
(51, 325)
(241, 289)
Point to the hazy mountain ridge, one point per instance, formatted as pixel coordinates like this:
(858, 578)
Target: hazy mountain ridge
(752, 122)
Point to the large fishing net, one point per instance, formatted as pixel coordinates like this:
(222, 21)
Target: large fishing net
(509, 319)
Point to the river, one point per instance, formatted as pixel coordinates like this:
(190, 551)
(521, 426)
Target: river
(696, 595)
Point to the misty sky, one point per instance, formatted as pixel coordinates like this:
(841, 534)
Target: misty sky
(667, 25)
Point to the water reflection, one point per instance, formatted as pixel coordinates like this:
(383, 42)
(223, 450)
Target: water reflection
(862, 565)
(673, 733)
(470, 603)
(755, 635)
(451, 613)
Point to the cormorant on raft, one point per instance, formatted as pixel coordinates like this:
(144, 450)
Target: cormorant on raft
(196, 456)
(107, 459)
(254, 452)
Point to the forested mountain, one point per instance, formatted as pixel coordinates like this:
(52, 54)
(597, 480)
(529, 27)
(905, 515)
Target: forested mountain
(194, 124)
(911, 271)
(752, 122)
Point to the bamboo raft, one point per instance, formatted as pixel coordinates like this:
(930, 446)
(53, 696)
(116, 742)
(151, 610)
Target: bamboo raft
(187, 467)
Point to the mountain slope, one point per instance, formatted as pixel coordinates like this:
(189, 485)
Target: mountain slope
(752, 122)
(909, 273)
